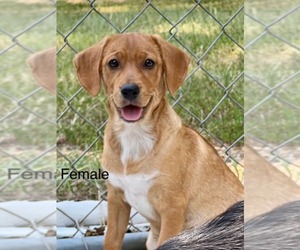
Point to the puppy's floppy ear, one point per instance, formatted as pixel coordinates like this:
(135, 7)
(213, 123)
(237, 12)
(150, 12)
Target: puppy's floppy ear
(175, 63)
(43, 67)
(88, 66)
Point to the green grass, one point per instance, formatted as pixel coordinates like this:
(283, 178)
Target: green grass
(17, 81)
(200, 93)
(271, 61)
(23, 134)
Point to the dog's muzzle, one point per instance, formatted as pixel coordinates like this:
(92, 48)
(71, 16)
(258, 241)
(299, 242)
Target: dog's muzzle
(130, 92)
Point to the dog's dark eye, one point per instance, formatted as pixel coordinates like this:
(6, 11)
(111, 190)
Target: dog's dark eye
(149, 64)
(113, 64)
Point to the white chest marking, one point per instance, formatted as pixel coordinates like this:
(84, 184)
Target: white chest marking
(135, 187)
(136, 140)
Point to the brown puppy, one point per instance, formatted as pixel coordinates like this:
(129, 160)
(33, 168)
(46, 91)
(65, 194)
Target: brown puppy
(163, 169)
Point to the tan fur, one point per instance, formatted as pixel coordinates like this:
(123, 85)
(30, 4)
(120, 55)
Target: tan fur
(265, 186)
(191, 183)
(43, 68)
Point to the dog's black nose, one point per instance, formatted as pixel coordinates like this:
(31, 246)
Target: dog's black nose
(130, 91)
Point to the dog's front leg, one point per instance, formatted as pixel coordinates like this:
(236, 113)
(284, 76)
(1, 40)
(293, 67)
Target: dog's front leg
(117, 221)
(172, 222)
(170, 203)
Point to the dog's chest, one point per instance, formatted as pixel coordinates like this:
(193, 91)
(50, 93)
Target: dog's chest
(136, 188)
(136, 141)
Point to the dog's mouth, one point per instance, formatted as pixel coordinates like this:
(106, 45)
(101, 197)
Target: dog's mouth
(131, 113)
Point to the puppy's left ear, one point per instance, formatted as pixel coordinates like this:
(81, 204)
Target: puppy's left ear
(43, 67)
(175, 63)
(88, 66)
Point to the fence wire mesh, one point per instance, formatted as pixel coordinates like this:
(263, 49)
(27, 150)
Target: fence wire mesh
(211, 99)
(27, 127)
(272, 82)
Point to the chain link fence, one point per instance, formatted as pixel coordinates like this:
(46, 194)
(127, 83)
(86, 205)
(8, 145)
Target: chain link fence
(210, 100)
(27, 128)
(272, 73)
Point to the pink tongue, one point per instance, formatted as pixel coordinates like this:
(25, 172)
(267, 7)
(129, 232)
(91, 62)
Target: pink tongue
(131, 113)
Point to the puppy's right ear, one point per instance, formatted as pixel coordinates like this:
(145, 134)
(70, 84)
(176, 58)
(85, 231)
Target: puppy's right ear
(88, 66)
